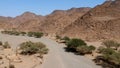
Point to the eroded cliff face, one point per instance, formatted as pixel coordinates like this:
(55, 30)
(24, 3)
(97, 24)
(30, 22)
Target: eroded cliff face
(101, 22)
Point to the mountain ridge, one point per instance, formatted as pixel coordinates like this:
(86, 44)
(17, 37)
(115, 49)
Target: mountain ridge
(91, 24)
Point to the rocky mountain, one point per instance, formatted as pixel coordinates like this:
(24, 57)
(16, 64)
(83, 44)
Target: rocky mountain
(59, 19)
(5, 22)
(51, 23)
(27, 21)
(101, 22)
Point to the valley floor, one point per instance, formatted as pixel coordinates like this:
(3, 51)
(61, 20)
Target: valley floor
(57, 57)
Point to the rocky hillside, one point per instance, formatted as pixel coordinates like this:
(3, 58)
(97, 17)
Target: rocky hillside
(27, 21)
(5, 22)
(51, 23)
(101, 22)
(59, 19)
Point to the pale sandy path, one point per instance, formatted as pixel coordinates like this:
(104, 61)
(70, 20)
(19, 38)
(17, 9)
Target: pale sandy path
(57, 57)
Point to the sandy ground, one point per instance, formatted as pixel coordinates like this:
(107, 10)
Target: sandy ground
(19, 61)
(56, 58)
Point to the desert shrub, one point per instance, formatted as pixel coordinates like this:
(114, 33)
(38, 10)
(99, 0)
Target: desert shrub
(1, 57)
(29, 48)
(58, 37)
(35, 34)
(11, 32)
(73, 43)
(30, 34)
(91, 47)
(38, 34)
(109, 56)
(22, 33)
(0, 43)
(108, 51)
(6, 45)
(11, 66)
(85, 49)
(66, 39)
(4, 32)
(16, 33)
(110, 43)
(43, 51)
(100, 49)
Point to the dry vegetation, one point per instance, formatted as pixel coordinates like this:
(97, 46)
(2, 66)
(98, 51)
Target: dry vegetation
(30, 34)
(107, 55)
(10, 58)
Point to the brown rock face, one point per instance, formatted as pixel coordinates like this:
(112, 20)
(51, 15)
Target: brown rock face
(5, 22)
(51, 24)
(59, 19)
(101, 22)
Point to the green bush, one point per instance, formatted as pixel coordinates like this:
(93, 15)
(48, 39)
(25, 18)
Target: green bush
(38, 34)
(109, 56)
(11, 32)
(29, 48)
(91, 47)
(73, 43)
(100, 49)
(30, 34)
(43, 51)
(111, 43)
(85, 49)
(108, 51)
(35, 34)
(16, 33)
(66, 39)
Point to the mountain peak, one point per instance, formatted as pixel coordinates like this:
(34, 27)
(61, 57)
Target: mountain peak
(28, 14)
(58, 11)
